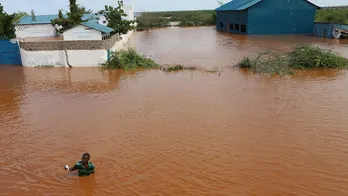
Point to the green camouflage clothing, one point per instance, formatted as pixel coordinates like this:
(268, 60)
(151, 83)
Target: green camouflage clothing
(82, 171)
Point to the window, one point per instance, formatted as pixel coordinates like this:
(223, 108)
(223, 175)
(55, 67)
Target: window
(243, 28)
(236, 27)
(221, 24)
(231, 26)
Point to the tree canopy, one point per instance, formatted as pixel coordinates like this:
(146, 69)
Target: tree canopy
(7, 28)
(115, 19)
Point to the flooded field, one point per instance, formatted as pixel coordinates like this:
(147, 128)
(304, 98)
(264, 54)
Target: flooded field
(186, 133)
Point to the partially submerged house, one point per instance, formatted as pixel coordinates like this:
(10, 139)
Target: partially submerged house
(88, 31)
(266, 17)
(41, 25)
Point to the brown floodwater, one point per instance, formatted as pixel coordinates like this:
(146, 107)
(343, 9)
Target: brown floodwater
(185, 133)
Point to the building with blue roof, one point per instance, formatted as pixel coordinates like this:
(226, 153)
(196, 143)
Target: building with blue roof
(88, 31)
(41, 26)
(255, 17)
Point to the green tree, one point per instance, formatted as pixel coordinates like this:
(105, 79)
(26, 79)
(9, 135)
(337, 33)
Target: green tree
(60, 14)
(33, 16)
(75, 14)
(114, 16)
(84, 10)
(7, 29)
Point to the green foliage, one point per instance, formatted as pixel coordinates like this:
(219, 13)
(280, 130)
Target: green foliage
(18, 16)
(33, 16)
(7, 29)
(115, 20)
(300, 57)
(313, 57)
(60, 14)
(267, 63)
(75, 14)
(332, 15)
(186, 18)
(74, 17)
(84, 10)
(245, 63)
(128, 60)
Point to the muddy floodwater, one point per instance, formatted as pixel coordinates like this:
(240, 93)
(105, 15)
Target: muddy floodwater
(186, 133)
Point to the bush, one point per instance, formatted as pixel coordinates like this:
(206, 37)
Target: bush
(313, 57)
(301, 57)
(245, 63)
(127, 60)
(270, 62)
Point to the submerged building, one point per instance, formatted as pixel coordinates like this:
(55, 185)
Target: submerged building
(266, 17)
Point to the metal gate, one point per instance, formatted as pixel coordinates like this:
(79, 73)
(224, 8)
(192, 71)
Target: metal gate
(9, 53)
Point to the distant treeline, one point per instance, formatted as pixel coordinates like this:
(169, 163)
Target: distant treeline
(149, 20)
(332, 15)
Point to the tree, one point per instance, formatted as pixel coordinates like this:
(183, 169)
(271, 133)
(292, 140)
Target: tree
(60, 14)
(75, 14)
(84, 10)
(33, 16)
(7, 28)
(114, 16)
(74, 17)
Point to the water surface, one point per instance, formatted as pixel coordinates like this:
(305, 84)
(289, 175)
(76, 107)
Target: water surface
(188, 133)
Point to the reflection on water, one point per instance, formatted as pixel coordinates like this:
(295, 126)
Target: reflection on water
(188, 133)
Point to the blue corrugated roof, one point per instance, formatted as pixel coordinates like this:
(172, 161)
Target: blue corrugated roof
(243, 4)
(238, 5)
(46, 19)
(97, 27)
(40, 19)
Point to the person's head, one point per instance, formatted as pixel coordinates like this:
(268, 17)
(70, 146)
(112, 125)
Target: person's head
(85, 158)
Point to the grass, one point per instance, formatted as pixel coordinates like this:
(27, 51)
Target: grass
(128, 60)
(176, 67)
(301, 57)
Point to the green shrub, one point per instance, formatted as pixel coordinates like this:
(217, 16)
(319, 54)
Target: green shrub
(301, 57)
(245, 63)
(270, 62)
(128, 60)
(313, 57)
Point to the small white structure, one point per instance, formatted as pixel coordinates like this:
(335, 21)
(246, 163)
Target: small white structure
(39, 27)
(87, 31)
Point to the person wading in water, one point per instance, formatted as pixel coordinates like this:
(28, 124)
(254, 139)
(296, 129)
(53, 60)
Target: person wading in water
(84, 167)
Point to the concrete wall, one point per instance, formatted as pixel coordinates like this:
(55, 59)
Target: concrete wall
(69, 45)
(82, 33)
(119, 45)
(52, 53)
(76, 58)
(41, 30)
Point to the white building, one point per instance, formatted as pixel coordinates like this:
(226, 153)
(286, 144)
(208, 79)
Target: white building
(87, 31)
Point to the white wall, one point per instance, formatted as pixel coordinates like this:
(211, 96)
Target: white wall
(119, 45)
(40, 30)
(128, 9)
(81, 32)
(77, 58)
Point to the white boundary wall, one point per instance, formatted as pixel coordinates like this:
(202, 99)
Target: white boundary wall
(77, 58)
